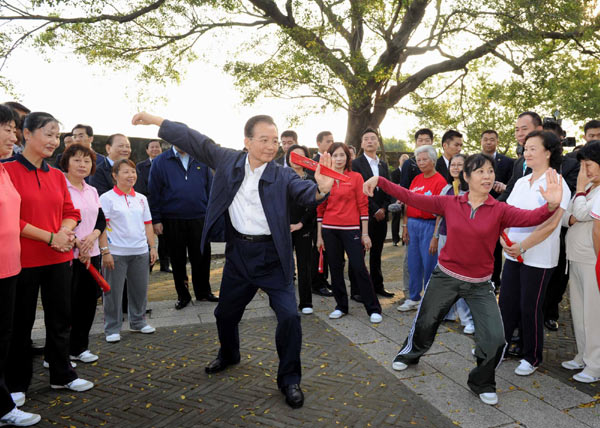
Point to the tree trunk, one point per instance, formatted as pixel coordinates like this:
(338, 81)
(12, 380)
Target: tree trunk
(359, 120)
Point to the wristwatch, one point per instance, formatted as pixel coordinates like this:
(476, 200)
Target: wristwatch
(521, 249)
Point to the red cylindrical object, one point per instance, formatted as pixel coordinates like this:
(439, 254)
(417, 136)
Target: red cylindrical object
(509, 243)
(105, 286)
(321, 260)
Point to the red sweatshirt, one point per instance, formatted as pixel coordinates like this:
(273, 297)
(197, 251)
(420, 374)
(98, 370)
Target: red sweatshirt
(45, 203)
(346, 205)
(472, 235)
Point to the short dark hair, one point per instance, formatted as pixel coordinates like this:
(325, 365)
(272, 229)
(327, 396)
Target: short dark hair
(552, 143)
(371, 130)
(592, 124)
(73, 150)
(88, 129)
(37, 120)
(334, 147)
(251, 123)
(554, 127)
(290, 133)
(535, 118)
(294, 147)
(111, 139)
(476, 161)
(449, 135)
(7, 115)
(424, 131)
(489, 131)
(322, 135)
(591, 151)
(117, 166)
(152, 141)
(17, 106)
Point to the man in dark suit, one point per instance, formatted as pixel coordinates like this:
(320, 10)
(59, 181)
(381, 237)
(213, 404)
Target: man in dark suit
(368, 165)
(253, 194)
(288, 139)
(117, 147)
(452, 142)
(503, 169)
(153, 149)
(320, 285)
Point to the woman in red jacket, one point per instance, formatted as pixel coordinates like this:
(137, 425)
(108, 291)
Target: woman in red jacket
(339, 229)
(48, 218)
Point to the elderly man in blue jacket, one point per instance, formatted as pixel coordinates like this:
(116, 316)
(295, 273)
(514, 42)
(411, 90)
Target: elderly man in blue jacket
(252, 192)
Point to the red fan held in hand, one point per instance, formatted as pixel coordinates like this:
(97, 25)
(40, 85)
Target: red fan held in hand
(510, 243)
(105, 286)
(320, 258)
(312, 165)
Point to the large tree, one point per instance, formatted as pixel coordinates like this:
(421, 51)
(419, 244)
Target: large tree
(364, 56)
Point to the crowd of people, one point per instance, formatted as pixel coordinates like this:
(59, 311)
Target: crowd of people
(488, 239)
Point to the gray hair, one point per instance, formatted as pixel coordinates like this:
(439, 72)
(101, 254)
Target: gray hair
(429, 150)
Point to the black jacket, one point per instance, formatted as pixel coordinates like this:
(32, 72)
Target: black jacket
(409, 171)
(440, 166)
(102, 180)
(380, 199)
(143, 172)
(503, 168)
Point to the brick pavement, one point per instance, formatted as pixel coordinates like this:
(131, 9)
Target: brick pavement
(159, 380)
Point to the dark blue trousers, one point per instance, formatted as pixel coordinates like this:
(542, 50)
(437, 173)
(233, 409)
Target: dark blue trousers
(248, 267)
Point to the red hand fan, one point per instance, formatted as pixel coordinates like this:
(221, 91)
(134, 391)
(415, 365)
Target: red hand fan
(312, 165)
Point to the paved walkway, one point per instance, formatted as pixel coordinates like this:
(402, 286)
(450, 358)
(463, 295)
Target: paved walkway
(158, 379)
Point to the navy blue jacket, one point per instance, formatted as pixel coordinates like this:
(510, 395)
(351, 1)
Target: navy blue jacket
(102, 180)
(143, 173)
(276, 186)
(176, 193)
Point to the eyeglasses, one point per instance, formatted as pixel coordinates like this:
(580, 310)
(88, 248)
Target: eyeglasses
(265, 141)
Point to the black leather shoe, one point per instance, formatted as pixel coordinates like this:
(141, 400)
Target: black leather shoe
(357, 298)
(324, 291)
(209, 298)
(514, 350)
(293, 395)
(217, 365)
(551, 325)
(166, 269)
(384, 293)
(182, 303)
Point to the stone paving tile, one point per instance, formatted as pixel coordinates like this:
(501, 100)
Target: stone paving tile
(159, 380)
(587, 415)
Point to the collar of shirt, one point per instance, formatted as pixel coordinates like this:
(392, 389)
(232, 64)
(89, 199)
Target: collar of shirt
(447, 161)
(110, 161)
(373, 163)
(256, 171)
(121, 193)
(464, 199)
(31, 167)
(85, 186)
(184, 157)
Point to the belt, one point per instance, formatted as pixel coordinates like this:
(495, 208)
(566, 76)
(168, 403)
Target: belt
(252, 238)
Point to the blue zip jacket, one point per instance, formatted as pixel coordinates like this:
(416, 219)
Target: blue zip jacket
(175, 193)
(277, 184)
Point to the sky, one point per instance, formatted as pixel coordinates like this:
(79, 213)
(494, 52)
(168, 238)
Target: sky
(75, 92)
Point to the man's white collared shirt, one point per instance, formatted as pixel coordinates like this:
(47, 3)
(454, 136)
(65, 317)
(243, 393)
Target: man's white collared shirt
(374, 164)
(246, 211)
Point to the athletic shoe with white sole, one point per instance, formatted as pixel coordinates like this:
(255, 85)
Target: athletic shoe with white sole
(585, 378)
(85, 357)
(572, 365)
(78, 385)
(525, 369)
(147, 329)
(336, 314)
(490, 398)
(19, 418)
(469, 329)
(113, 338)
(376, 318)
(46, 364)
(18, 398)
(399, 365)
(307, 311)
(408, 305)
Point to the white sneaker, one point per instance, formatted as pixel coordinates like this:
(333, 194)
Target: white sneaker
(525, 369)
(572, 365)
(78, 385)
(19, 418)
(85, 357)
(113, 338)
(469, 329)
(147, 329)
(376, 318)
(585, 378)
(18, 398)
(490, 398)
(46, 364)
(408, 305)
(307, 311)
(336, 314)
(399, 365)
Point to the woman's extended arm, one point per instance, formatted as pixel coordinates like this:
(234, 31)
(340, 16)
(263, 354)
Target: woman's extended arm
(431, 203)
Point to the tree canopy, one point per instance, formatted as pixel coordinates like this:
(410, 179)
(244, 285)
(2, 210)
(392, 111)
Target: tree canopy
(364, 56)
